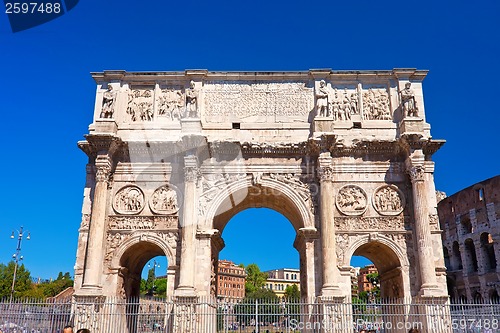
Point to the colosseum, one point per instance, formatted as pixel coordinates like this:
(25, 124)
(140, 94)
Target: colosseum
(470, 220)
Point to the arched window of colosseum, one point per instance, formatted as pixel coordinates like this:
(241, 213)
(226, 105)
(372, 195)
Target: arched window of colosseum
(480, 194)
(447, 258)
(487, 246)
(470, 253)
(457, 257)
(466, 224)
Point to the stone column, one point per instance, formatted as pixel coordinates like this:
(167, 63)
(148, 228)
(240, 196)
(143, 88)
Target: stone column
(188, 231)
(416, 169)
(95, 247)
(328, 247)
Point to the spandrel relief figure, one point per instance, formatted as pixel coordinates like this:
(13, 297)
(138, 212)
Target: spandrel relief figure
(191, 101)
(408, 102)
(129, 200)
(108, 101)
(322, 100)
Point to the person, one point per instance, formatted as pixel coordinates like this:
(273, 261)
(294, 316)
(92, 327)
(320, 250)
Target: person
(322, 100)
(68, 329)
(83, 330)
(408, 101)
(414, 330)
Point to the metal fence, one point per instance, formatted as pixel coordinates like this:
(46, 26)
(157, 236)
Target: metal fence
(110, 315)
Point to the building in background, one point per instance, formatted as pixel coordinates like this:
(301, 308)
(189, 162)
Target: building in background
(281, 278)
(230, 280)
(471, 233)
(354, 281)
(363, 283)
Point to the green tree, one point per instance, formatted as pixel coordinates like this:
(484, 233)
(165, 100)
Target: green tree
(160, 287)
(23, 280)
(255, 278)
(292, 292)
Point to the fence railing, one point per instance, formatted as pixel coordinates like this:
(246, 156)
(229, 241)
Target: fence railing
(195, 314)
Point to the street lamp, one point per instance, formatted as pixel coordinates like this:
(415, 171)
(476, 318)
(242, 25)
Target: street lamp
(17, 257)
(155, 264)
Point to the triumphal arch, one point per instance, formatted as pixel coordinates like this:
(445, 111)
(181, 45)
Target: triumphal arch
(345, 156)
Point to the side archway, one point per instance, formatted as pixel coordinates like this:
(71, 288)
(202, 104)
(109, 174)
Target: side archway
(389, 259)
(133, 254)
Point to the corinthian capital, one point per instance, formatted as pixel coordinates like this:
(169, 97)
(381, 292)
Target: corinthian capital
(191, 174)
(325, 173)
(103, 168)
(416, 172)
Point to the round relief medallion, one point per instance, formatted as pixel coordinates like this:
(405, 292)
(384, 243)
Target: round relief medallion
(388, 200)
(129, 200)
(351, 200)
(164, 200)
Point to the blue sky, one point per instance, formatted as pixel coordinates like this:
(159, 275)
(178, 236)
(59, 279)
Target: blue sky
(47, 94)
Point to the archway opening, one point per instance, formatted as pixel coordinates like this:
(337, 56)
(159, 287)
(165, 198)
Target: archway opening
(154, 277)
(134, 263)
(271, 196)
(388, 266)
(263, 237)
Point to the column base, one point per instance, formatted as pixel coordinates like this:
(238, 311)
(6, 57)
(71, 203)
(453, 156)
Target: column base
(89, 290)
(331, 291)
(185, 292)
(431, 291)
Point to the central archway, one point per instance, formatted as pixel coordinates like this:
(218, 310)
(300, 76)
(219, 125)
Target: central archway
(282, 198)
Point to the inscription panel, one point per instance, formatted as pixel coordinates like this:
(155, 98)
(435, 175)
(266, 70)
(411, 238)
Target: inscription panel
(227, 101)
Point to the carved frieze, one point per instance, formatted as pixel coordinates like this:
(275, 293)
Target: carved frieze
(388, 200)
(247, 99)
(171, 103)
(140, 105)
(376, 104)
(143, 222)
(129, 200)
(351, 200)
(164, 200)
(343, 223)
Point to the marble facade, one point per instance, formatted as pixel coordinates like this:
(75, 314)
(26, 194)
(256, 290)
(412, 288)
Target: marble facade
(345, 156)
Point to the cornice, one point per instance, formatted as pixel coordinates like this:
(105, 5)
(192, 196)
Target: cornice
(304, 75)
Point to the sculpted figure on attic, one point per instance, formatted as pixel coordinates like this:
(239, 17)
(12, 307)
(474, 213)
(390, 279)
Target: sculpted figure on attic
(408, 101)
(108, 101)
